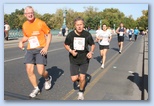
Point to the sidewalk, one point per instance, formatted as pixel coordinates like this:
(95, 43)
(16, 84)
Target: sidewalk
(145, 70)
(54, 39)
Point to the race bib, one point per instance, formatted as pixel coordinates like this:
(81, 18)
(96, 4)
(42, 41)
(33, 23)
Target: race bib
(121, 33)
(79, 43)
(33, 41)
(105, 39)
(130, 33)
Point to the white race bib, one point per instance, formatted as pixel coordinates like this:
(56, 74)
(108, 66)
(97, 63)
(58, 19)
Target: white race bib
(130, 33)
(79, 43)
(33, 41)
(121, 33)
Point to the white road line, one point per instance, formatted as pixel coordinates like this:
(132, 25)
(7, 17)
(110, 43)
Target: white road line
(23, 56)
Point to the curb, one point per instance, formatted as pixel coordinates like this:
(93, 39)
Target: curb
(145, 72)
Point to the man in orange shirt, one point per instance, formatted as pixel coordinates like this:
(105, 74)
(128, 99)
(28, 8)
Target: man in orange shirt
(38, 35)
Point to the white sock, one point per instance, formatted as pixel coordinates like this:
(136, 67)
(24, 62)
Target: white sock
(36, 87)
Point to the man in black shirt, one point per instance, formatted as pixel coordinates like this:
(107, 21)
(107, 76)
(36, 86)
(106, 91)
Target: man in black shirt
(121, 31)
(77, 43)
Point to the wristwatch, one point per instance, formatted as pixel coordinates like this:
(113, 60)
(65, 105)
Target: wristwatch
(92, 52)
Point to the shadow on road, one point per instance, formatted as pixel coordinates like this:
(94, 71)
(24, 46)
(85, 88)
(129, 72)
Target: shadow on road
(116, 49)
(17, 96)
(98, 58)
(88, 79)
(55, 72)
(139, 81)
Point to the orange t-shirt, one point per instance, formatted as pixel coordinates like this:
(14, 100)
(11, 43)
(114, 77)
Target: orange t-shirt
(35, 32)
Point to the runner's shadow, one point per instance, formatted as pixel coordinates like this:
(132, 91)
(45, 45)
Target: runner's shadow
(88, 79)
(55, 73)
(99, 59)
(116, 49)
(141, 82)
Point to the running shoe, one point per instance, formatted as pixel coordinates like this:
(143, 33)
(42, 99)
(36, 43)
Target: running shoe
(35, 92)
(102, 66)
(48, 83)
(80, 96)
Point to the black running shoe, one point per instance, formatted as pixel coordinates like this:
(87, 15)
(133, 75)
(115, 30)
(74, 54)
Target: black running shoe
(76, 85)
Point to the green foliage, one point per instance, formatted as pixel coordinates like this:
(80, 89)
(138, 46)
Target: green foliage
(92, 17)
(143, 20)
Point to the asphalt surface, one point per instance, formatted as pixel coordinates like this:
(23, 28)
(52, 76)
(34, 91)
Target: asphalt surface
(125, 76)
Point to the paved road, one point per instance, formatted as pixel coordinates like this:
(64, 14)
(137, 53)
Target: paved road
(121, 79)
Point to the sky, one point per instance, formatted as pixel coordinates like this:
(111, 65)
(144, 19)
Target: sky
(128, 9)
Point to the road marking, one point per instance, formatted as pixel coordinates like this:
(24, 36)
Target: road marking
(94, 73)
(89, 87)
(23, 56)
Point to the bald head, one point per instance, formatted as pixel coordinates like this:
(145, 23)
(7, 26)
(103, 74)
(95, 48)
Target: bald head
(29, 13)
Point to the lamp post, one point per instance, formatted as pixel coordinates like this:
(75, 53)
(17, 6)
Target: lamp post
(100, 24)
(64, 18)
(114, 26)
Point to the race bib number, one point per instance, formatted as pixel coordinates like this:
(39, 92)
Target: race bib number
(121, 33)
(130, 33)
(79, 43)
(33, 41)
(105, 39)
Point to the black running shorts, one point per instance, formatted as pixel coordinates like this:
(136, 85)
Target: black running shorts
(101, 47)
(34, 57)
(76, 69)
(120, 38)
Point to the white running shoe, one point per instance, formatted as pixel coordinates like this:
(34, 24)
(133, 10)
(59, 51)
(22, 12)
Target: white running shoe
(35, 92)
(80, 96)
(48, 83)
(102, 66)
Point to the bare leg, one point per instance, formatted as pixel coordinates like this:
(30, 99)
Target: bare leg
(31, 75)
(82, 81)
(42, 71)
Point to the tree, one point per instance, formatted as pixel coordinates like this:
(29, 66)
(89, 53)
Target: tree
(143, 20)
(113, 16)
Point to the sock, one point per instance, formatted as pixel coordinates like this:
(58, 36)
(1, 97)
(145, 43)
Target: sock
(81, 90)
(48, 78)
(36, 87)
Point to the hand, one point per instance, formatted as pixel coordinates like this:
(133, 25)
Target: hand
(100, 39)
(89, 55)
(20, 45)
(44, 51)
(74, 53)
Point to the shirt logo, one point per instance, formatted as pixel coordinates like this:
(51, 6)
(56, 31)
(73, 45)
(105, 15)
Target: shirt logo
(35, 33)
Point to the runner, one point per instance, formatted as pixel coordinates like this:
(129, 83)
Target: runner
(103, 37)
(34, 31)
(76, 43)
(6, 30)
(121, 31)
(136, 32)
(97, 31)
(130, 32)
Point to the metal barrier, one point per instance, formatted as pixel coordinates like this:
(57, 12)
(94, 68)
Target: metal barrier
(14, 34)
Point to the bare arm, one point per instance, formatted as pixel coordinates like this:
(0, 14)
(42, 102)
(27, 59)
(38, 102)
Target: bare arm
(117, 30)
(110, 38)
(73, 52)
(124, 30)
(45, 49)
(90, 54)
(22, 41)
